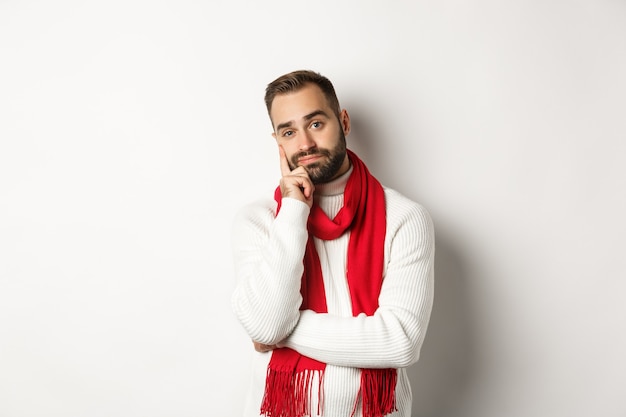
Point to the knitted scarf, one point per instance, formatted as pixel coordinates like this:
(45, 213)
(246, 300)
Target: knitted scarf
(290, 375)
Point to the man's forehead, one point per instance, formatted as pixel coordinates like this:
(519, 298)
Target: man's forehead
(297, 105)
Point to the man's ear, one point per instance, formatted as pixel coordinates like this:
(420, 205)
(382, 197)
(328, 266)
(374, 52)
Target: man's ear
(344, 119)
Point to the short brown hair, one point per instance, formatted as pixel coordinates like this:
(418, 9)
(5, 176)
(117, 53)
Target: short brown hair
(296, 80)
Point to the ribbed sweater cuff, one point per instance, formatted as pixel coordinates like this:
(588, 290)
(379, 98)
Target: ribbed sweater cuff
(293, 211)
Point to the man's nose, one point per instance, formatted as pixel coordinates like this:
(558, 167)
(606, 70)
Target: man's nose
(306, 141)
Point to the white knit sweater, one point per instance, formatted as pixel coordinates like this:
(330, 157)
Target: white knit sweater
(268, 254)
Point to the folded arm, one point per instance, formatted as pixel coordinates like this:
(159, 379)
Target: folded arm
(393, 336)
(268, 253)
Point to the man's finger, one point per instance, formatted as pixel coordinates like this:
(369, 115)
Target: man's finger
(285, 169)
(260, 347)
(307, 188)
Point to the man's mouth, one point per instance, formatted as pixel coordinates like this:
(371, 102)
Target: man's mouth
(305, 160)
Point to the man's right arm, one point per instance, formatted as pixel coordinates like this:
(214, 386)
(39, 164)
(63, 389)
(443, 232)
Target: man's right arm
(268, 252)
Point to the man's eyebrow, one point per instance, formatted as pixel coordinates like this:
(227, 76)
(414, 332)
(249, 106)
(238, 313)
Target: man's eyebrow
(315, 113)
(283, 125)
(306, 117)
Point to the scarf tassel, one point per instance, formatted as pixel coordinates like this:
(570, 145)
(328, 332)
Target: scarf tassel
(288, 394)
(378, 392)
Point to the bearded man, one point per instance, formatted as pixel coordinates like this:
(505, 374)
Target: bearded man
(334, 273)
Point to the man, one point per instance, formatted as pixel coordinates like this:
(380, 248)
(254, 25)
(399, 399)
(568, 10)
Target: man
(334, 274)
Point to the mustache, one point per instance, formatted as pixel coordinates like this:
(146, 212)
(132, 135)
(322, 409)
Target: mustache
(319, 152)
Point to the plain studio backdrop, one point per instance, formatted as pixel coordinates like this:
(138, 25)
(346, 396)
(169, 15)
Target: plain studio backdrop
(131, 132)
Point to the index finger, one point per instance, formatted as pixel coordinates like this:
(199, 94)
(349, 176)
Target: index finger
(285, 169)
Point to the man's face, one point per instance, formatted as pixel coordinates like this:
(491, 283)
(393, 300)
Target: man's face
(310, 133)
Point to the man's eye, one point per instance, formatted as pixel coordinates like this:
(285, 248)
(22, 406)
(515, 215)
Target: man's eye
(288, 133)
(316, 125)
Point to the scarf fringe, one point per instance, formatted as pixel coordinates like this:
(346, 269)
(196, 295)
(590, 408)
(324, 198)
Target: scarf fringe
(289, 393)
(378, 388)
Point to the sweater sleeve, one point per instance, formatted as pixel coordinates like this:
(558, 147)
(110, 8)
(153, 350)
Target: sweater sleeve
(392, 337)
(268, 252)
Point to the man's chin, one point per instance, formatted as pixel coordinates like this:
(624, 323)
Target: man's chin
(313, 169)
(318, 177)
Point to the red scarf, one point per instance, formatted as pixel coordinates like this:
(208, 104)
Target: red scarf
(290, 375)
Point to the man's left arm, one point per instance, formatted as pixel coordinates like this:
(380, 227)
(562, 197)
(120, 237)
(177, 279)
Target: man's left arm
(392, 337)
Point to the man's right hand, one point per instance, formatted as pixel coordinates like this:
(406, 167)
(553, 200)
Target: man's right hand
(297, 183)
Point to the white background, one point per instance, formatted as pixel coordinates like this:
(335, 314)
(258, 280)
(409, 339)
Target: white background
(130, 132)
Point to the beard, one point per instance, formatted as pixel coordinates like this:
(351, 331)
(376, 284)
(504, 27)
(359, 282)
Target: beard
(323, 171)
